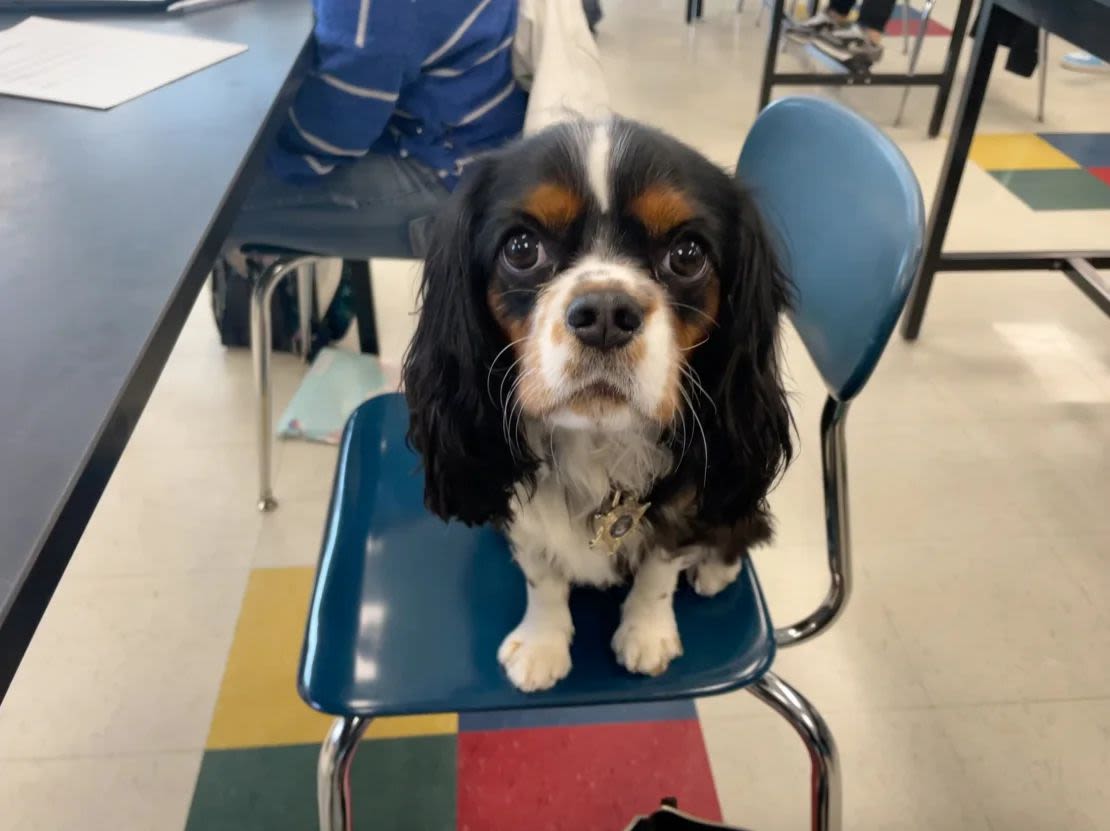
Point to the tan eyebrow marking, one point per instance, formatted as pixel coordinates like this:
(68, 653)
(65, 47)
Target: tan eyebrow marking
(554, 205)
(662, 208)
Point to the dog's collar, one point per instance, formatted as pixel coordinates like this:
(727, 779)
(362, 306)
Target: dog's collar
(619, 516)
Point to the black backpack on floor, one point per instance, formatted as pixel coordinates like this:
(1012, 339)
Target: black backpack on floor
(231, 299)
(669, 818)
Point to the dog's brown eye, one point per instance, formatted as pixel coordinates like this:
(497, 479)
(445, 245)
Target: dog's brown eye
(686, 259)
(523, 252)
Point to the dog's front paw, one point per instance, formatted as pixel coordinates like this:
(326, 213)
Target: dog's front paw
(535, 658)
(712, 576)
(647, 641)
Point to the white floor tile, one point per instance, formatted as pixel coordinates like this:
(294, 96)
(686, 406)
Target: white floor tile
(123, 665)
(900, 771)
(146, 792)
(993, 620)
(1037, 767)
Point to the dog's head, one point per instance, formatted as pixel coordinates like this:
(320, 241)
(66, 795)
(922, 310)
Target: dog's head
(600, 277)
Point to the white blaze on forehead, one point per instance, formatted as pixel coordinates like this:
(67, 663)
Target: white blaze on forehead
(654, 369)
(553, 356)
(597, 164)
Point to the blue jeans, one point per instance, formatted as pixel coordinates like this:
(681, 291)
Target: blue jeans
(379, 206)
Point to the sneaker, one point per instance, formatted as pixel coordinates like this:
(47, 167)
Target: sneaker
(1085, 62)
(806, 30)
(850, 44)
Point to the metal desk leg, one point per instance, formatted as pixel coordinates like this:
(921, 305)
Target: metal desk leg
(971, 102)
(959, 32)
(769, 59)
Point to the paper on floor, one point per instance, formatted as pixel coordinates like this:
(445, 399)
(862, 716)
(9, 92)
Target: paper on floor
(97, 66)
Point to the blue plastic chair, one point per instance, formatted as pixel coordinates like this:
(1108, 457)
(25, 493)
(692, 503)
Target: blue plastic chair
(408, 612)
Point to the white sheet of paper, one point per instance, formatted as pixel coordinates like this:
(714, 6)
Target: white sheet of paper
(97, 66)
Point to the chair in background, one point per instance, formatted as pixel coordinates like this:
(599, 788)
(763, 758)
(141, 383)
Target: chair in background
(919, 40)
(383, 639)
(1042, 78)
(303, 265)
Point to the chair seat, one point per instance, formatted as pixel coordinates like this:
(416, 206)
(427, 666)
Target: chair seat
(408, 611)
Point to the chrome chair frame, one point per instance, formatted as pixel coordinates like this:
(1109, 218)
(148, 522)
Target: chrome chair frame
(834, 477)
(333, 771)
(261, 325)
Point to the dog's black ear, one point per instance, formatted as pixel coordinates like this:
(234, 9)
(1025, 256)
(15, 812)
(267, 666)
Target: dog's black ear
(745, 413)
(454, 422)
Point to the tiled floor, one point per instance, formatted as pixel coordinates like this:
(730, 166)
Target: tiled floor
(1051, 171)
(968, 684)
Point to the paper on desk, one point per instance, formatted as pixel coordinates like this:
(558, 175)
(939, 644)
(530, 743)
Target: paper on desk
(97, 66)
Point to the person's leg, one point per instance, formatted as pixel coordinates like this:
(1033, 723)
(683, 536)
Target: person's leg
(379, 206)
(874, 15)
(835, 15)
(860, 43)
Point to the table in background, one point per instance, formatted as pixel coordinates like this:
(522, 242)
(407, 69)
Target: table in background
(1086, 24)
(942, 80)
(109, 224)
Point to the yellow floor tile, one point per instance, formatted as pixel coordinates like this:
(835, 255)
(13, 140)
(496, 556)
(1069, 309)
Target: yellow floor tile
(258, 705)
(1017, 151)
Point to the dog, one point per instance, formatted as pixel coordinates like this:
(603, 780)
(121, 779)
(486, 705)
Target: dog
(596, 372)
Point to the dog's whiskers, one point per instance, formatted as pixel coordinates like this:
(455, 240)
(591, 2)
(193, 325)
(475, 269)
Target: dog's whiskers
(701, 428)
(493, 366)
(692, 376)
(694, 309)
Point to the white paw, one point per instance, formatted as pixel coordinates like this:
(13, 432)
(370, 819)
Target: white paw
(712, 576)
(647, 641)
(534, 657)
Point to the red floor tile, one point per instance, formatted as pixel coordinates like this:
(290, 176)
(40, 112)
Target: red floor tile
(591, 778)
(1101, 172)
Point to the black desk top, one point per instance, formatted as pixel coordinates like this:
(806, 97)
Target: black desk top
(109, 222)
(1084, 23)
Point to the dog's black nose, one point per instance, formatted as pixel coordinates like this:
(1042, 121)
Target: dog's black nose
(604, 319)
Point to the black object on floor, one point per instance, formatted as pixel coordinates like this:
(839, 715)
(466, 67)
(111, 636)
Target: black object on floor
(669, 818)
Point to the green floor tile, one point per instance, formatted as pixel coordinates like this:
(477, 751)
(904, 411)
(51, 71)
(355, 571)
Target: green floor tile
(396, 785)
(1056, 190)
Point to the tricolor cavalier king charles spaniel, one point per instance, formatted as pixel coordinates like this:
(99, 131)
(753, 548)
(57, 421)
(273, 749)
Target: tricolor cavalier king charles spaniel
(596, 372)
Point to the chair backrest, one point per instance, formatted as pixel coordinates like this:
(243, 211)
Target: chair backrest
(847, 210)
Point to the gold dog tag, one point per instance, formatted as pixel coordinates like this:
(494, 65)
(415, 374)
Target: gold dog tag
(612, 526)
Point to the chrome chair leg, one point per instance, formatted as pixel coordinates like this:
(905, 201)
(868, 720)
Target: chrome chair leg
(825, 787)
(333, 773)
(905, 27)
(1043, 80)
(834, 471)
(262, 296)
(306, 286)
(922, 25)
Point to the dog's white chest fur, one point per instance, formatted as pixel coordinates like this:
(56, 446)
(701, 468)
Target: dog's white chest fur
(580, 472)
